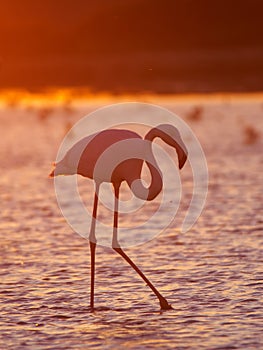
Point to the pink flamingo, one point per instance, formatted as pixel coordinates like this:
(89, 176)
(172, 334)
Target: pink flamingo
(82, 159)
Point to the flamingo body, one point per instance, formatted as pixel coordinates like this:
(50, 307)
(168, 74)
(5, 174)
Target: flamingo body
(117, 155)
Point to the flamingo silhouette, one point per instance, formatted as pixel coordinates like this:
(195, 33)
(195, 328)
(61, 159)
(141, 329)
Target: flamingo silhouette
(116, 155)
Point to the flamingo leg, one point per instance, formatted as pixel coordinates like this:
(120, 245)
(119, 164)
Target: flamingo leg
(92, 242)
(115, 245)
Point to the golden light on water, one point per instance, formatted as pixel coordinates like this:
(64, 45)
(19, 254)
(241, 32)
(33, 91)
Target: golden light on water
(62, 96)
(211, 274)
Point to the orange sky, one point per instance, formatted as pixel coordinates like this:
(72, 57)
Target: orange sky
(171, 46)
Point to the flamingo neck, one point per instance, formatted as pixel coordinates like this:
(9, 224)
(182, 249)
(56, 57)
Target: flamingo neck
(156, 185)
(156, 181)
(151, 135)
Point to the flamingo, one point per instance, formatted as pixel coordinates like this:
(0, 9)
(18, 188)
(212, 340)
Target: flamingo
(83, 157)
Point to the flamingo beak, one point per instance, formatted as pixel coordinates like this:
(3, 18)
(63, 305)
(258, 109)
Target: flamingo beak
(182, 155)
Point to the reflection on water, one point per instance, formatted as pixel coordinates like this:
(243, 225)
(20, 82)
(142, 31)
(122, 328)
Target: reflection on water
(212, 274)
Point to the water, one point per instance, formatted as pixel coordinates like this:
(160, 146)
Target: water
(212, 275)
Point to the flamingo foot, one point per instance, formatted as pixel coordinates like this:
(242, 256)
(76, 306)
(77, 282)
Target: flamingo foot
(91, 309)
(165, 305)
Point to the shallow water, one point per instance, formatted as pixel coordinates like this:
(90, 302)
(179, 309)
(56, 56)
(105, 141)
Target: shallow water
(212, 274)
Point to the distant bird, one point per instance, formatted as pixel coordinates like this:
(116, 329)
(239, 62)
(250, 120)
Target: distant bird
(195, 114)
(44, 113)
(104, 148)
(251, 135)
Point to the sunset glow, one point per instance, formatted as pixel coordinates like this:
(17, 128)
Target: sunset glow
(131, 175)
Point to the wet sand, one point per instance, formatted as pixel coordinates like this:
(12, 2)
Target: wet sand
(212, 274)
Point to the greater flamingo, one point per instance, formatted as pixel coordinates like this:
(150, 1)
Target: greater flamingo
(82, 159)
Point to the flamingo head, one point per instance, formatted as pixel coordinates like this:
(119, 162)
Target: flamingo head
(170, 135)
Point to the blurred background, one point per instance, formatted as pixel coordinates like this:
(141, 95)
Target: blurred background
(131, 46)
